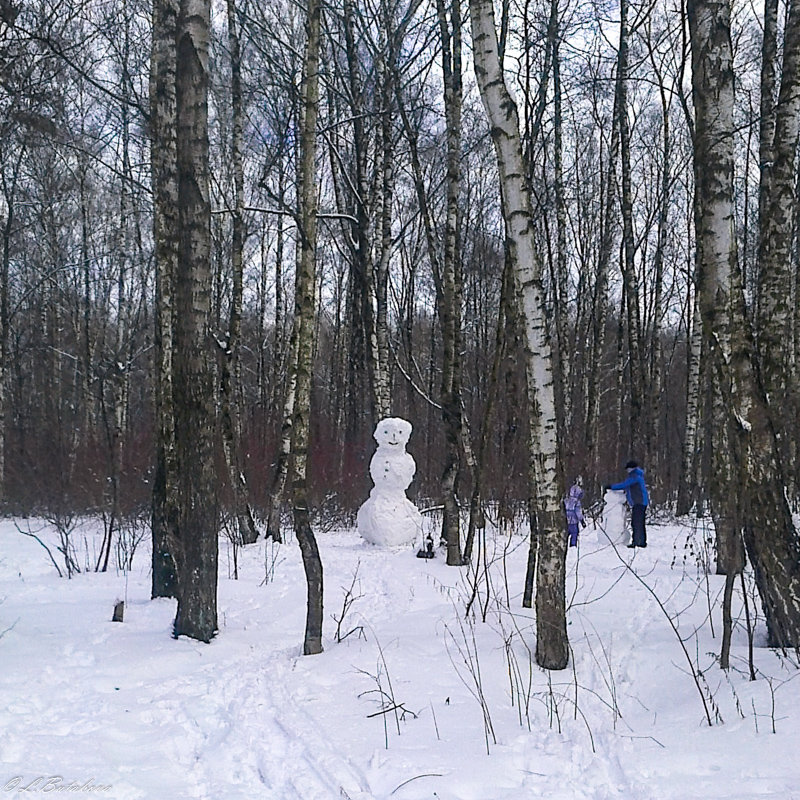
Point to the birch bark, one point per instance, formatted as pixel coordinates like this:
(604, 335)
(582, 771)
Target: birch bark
(599, 301)
(629, 280)
(193, 386)
(777, 203)
(305, 318)
(230, 373)
(753, 472)
(164, 170)
(450, 295)
(687, 491)
(552, 647)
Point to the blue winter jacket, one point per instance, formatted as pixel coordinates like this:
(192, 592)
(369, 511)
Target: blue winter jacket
(635, 489)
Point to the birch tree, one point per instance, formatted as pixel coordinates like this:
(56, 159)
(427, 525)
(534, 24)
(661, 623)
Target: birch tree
(752, 475)
(552, 647)
(230, 377)
(305, 324)
(780, 126)
(449, 301)
(164, 172)
(630, 282)
(193, 388)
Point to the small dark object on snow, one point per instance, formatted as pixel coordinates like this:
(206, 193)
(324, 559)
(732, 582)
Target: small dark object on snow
(119, 611)
(428, 551)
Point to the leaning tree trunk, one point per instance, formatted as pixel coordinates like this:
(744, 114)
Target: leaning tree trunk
(305, 317)
(552, 646)
(193, 373)
(164, 170)
(756, 481)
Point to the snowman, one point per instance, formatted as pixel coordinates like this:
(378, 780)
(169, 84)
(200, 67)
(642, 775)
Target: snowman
(615, 519)
(389, 518)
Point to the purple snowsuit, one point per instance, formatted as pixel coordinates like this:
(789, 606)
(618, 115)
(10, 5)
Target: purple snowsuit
(572, 505)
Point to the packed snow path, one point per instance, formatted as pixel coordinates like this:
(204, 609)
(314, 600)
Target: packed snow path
(128, 707)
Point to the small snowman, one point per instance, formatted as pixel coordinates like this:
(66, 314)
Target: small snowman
(388, 518)
(615, 522)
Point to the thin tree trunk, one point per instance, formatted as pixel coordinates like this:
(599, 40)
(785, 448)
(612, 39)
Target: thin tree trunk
(362, 396)
(4, 272)
(379, 335)
(766, 125)
(9, 187)
(552, 647)
(117, 375)
(278, 354)
(727, 621)
(687, 490)
(230, 377)
(305, 316)
(278, 487)
(599, 305)
(629, 280)
(654, 377)
(562, 275)
(450, 300)
(164, 169)
(476, 515)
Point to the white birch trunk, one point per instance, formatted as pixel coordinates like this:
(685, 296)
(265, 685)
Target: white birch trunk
(752, 470)
(164, 170)
(305, 320)
(777, 205)
(688, 486)
(193, 385)
(552, 647)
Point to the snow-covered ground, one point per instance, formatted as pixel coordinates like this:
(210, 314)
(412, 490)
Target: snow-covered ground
(126, 711)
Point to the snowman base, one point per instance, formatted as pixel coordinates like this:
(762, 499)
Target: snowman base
(614, 527)
(389, 521)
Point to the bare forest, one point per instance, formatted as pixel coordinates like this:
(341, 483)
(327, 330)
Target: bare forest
(553, 236)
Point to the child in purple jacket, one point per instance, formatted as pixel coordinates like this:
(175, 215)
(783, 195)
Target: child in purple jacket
(572, 505)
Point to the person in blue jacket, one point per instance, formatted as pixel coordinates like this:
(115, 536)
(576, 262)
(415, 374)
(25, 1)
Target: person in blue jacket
(636, 493)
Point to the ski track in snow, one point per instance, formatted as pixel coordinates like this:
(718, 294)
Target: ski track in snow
(247, 717)
(289, 758)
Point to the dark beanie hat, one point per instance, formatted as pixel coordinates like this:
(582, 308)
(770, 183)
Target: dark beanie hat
(632, 464)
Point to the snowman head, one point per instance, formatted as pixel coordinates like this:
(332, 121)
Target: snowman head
(393, 433)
